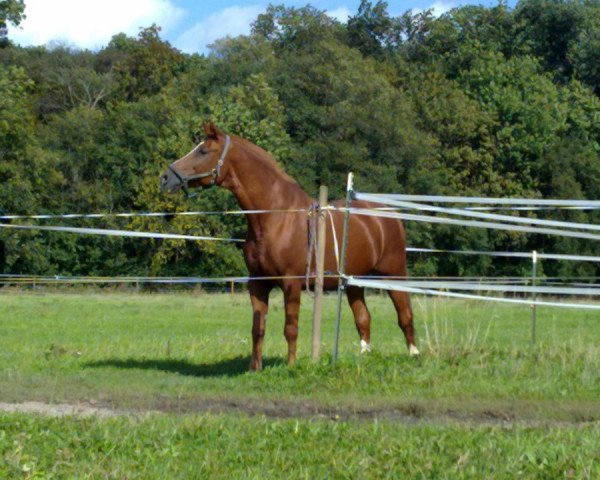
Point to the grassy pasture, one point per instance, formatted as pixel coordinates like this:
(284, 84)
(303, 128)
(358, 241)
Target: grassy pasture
(481, 401)
(234, 446)
(133, 350)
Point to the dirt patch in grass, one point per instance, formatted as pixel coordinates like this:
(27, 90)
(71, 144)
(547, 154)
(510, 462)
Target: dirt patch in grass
(408, 413)
(60, 409)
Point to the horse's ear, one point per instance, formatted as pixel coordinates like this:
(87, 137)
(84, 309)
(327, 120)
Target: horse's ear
(211, 130)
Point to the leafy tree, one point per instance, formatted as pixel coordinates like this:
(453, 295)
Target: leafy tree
(345, 123)
(458, 37)
(10, 11)
(584, 52)
(28, 177)
(528, 114)
(141, 66)
(492, 101)
(253, 110)
(296, 28)
(22, 167)
(463, 138)
(548, 29)
(371, 29)
(235, 59)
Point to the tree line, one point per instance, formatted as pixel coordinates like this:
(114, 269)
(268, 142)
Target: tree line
(487, 101)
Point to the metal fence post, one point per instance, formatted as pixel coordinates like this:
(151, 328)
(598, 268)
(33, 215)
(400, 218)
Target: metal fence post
(320, 267)
(342, 266)
(534, 295)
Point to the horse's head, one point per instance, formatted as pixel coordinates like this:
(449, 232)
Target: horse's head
(201, 167)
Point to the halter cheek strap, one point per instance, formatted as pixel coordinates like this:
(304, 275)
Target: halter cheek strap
(214, 173)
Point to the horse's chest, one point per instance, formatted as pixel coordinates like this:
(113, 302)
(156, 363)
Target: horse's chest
(268, 258)
(256, 256)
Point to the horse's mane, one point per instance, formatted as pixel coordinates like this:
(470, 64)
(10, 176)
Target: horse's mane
(260, 155)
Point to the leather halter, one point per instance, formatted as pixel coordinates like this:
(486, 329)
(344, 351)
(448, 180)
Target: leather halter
(214, 173)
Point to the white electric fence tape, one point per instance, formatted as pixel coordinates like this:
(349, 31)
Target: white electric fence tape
(472, 223)
(545, 256)
(26, 279)
(117, 233)
(145, 214)
(390, 285)
(491, 216)
(492, 287)
(381, 198)
(493, 221)
(336, 248)
(68, 216)
(427, 287)
(530, 209)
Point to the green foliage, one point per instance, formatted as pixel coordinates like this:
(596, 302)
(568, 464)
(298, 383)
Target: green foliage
(10, 11)
(584, 52)
(527, 113)
(482, 100)
(371, 29)
(142, 66)
(295, 28)
(233, 60)
(253, 110)
(16, 122)
(549, 28)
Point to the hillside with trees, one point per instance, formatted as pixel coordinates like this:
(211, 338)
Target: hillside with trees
(479, 101)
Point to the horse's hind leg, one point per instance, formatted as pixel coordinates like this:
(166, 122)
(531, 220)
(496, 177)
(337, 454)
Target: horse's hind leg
(259, 296)
(405, 318)
(362, 317)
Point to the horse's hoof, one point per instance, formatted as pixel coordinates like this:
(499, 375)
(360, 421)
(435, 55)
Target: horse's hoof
(365, 347)
(413, 351)
(255, 367)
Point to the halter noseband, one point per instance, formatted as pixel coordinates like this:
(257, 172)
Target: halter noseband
(214, 173)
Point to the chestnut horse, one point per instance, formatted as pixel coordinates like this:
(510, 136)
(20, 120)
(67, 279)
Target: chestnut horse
(276, 242)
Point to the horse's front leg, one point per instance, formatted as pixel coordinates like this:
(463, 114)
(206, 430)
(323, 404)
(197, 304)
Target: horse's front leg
(291, 294)
(259, 296)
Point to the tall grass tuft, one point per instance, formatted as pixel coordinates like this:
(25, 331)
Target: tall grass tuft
(442, 338)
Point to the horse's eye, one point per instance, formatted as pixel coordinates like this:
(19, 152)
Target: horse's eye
(202, 151)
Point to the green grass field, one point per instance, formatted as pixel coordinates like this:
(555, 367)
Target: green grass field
(234, 446)
(479, 400)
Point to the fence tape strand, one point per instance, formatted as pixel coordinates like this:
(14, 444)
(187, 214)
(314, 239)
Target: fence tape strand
(545, 256)
(118, 233)
(492, 216)
(381, 198)
(472, 223)
(145, 214)
(425, 291)
(493, 287)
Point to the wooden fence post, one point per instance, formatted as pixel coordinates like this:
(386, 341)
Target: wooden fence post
(320, 266)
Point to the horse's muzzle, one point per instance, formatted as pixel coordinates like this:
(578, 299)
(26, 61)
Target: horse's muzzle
(169, 183)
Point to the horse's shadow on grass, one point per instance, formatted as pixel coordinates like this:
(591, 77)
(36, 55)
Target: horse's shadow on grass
(230, 367)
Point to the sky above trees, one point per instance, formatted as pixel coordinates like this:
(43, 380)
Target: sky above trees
(188, 25)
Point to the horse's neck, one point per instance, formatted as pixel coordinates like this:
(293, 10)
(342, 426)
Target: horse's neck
(258, 184)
